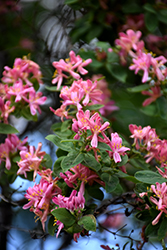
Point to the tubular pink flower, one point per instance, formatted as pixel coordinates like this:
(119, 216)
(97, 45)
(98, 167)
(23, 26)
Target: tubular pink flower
(116, 146)
(34, 101)
(154, 93)
(96, 127)
(80, 173)
(159, 199)
(30, 160)
(70, 65)
(39, 197)
(5, 110)
(142, 62)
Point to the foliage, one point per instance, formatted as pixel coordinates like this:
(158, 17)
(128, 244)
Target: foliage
(114, 147)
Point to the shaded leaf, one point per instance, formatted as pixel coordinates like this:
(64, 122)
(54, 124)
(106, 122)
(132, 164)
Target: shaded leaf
(139, 88)
(90, 161)
(63, 215)
(88, 222)
(71, 160)
(149, 177)
(7, 129)
(111, 181)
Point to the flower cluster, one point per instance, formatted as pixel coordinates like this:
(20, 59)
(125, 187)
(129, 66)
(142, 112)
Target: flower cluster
(30, 160)
(10, 148)
(69, 66)
(154, 69)
(159, 198)
(147, 141)
(40, 196)
(17, 90)
(74, 203)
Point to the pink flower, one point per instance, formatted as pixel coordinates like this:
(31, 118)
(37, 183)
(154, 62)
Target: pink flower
(96, 128)
(80, 173)
(91, 92)
(129, 40)
(116, 146)
(23, 69)
(5, 110)
(61, 112)
(160, 199)
(69, 65)
(30, 160)
(154, 93)
(39, 197)
(74, 203)
(34, 101)
(158, 64)
(142, 62)
(19, 90)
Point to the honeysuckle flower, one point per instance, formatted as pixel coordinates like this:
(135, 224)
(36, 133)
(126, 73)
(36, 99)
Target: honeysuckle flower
(154, 93)
(142, 62)
(12, 145)
(91, 92)
(129, 40)
(75, 202)
(61, 112)
(160, 199)
(138, 133)
(39, 197)
(82, 122)
(34, 100)
(19, 90)
(5, 110)
(157, 64)
(80, 173)
(71, 65)
(30, 160)
(23, 69)
(96, 128)
(116, 146)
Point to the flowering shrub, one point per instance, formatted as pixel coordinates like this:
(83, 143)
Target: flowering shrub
(92, 158)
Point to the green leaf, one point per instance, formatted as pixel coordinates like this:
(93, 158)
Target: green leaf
(103, 146)
(162, 16)
(149, 8)
(64, 134)
(131, 7)
(57, 166)
(51, 228)
(139, 88)
(143, 215)
(124, 160)
(52, 88)
(7, 129)
(111, 181)
(90, 161)
(151, 21)
(70, 1)
(25, 112)
(47, 161)
(150, 110)
(151, 230)
(149, 177)
(63, 215)
(88, 222)
(71, 160)
(75, 228)
(95, 192)
(161, 107)
(66, 146)
(162, 229)
(95, 107)
(117, 71)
